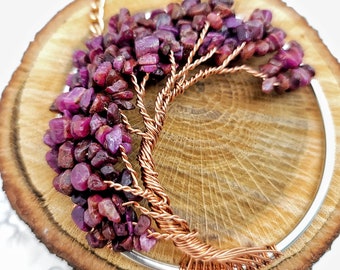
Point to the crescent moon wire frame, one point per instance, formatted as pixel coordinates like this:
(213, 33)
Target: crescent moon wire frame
(326, 178)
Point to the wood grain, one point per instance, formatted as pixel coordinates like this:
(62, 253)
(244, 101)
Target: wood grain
(240, 166)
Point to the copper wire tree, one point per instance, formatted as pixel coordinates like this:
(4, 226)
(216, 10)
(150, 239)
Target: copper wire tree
(285, 72)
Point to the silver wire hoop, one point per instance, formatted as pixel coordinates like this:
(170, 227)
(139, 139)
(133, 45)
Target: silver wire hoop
(326, 178)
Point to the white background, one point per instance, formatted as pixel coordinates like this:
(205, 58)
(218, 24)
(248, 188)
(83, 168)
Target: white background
(20, 20)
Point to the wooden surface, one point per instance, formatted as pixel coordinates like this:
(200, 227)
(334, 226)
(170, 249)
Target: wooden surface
(240, 166)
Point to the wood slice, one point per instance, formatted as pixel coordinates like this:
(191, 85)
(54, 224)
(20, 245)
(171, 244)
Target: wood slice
(240, 166)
